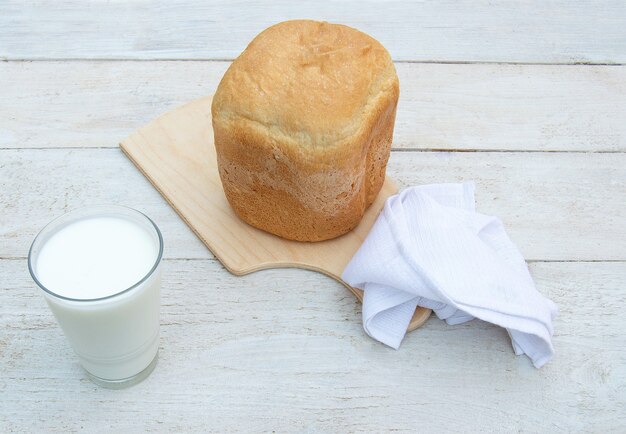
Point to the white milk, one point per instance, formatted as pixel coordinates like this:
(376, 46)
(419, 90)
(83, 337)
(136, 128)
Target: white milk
(101, 278)
(96, 257)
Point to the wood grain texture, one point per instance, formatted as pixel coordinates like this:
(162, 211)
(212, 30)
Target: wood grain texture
(235, 356)
(449, 107)
(284, 350)
(555, 206)
(445, 31)
(176, 153)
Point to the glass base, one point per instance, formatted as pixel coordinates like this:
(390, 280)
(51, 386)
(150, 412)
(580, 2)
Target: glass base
(125, 382)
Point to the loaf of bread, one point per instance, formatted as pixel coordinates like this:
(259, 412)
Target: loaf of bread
(303, 122)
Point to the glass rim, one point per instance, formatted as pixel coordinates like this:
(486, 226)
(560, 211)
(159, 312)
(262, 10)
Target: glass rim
(102, 209)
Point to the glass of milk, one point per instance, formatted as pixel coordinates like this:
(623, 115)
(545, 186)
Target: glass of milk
(99, 269)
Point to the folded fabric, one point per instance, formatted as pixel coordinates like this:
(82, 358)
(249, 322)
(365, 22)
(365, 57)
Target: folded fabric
(430, 248)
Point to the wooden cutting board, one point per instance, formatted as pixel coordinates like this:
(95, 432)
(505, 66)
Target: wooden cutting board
(176, 153)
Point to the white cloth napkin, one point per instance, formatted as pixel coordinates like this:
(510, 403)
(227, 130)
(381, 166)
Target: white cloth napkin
(430, 248)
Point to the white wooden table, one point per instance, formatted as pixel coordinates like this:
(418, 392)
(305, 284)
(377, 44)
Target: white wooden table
(527, 99)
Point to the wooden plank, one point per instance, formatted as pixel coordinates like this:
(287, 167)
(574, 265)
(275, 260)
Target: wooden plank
(177, 154)
(444, 31)
(556, 206)
(482, 107)
(284, 350)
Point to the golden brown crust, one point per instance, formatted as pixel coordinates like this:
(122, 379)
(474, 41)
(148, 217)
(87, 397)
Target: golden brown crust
(303, 121)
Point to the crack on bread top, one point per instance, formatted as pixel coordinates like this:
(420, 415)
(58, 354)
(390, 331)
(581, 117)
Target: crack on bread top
(307, 84)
